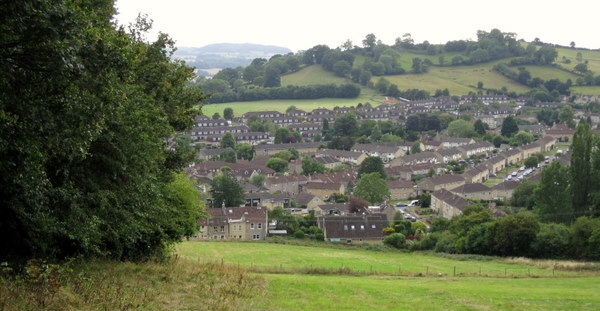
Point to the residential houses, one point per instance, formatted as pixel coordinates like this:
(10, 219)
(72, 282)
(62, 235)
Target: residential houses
(448, 204)
(367, 228)
(239, 223)
(432, 184)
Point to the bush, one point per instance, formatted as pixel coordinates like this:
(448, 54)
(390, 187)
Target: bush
(299, 234)
(446, 244)
(396, 240)
(552, 241)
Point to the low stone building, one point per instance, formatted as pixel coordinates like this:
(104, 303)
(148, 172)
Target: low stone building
(448, 204)
(239, 223)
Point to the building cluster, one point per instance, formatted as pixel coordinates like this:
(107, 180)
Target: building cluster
(409, 174)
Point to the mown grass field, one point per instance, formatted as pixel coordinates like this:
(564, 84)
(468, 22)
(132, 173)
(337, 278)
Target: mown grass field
(305, 292)
(525, 287)
(593, 58)
(239, 108)
(289, 257)
(312, 75)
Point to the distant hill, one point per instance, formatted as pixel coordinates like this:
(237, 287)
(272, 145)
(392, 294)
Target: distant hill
(224, 55)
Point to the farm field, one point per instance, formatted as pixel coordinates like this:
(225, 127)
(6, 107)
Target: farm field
(459, 80)
(308, 292)
(290, 287)
(289, 257)
(548, 73)
(239, 108)
(312, 75)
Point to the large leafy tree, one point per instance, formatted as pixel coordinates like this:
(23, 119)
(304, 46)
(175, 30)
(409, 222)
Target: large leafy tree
(552, 196)
(372, 165)
(373, 188)
(226, 191)
(580, 169)
(509, 126)
(84, 110)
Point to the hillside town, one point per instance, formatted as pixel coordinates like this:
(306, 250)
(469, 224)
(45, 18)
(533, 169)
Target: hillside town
(425, 166)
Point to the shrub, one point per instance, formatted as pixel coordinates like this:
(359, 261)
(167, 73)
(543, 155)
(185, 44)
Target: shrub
(396, 240)
(299, 234)
(446, 244)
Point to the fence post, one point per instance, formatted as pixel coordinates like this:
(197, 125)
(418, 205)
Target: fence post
(454, 273)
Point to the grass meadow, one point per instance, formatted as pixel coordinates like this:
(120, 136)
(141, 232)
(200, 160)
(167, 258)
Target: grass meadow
(284, 258)
(239, 108)
(308, 292)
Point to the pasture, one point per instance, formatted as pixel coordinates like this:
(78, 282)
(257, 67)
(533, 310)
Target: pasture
(393, 280)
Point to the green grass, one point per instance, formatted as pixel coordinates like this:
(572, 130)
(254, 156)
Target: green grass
(548, 73)
(459, 80)
(591, 90)
(293, 257)
(293, 292)
(593, 58)
(239, 108)
(312, 75)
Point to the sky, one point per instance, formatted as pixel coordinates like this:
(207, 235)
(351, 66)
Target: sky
(300, 25)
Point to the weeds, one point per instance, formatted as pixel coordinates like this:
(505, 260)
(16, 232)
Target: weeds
(106, 285)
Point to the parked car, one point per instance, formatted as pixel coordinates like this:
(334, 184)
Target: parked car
(401, 204)
(414, 203)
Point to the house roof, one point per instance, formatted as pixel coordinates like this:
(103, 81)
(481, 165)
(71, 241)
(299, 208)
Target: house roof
(399, 184)
(471, 188)
(506, 185)
(323, 186)
(451, 199)
(353, 226)
(444, 179)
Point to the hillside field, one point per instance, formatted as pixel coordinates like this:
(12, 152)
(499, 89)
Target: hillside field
(239, 108)
(382, 287)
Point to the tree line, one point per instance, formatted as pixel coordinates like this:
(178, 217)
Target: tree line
(85, 109)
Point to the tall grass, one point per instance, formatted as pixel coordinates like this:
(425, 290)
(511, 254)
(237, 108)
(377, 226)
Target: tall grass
(106, 285)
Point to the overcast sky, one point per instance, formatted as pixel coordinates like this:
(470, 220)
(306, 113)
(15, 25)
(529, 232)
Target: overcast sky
(299, 25)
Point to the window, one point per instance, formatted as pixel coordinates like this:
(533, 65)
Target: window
(215, 228)
(259, 226)
(373, 226)
(362, 227)
(352, 227)
(222, 228)
(256, 236)
(251, 226)
(202, 228)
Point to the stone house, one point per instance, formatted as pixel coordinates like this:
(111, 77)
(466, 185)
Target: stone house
(400, 189)
(504, 190)
(448, 204)
(432, 184)
(239, 223)
(478, 174)
(475, 191)
(324, 190)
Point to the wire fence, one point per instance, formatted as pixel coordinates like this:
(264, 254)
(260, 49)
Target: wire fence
(410, 271)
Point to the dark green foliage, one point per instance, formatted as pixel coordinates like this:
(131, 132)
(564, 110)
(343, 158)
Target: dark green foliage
(310, 167)
(396, 240)
(226, 191)
(84, 110)
(277, 164)
(509, 127)
(299, 234)
(523, 194)
(372, 165)
(424, 200)
(552, 241)
(446, 244)
(227, 141)
(581, 169)
(228, 113)
(372, 187)
(514, 234)
(531, 162)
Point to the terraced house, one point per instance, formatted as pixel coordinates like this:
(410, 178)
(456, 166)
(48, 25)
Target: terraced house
(239, 223)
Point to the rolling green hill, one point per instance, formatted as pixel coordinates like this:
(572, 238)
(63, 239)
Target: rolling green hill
(311, 75)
